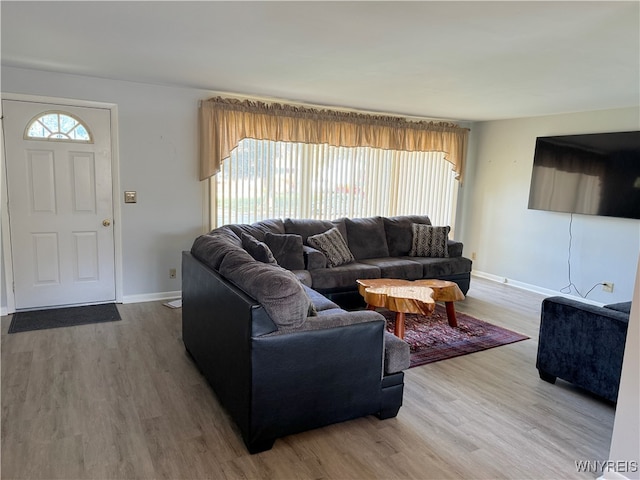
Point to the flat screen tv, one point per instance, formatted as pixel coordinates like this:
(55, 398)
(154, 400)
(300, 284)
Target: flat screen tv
(593, 174)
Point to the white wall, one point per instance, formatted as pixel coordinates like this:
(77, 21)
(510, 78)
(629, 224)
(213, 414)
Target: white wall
(530, 247)
(158, 159)
(625, 441)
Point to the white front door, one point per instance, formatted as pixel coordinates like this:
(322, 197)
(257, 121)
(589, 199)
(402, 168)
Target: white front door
(60, 203)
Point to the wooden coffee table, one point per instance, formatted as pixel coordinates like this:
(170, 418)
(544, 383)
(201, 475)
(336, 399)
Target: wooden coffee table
(405, 296)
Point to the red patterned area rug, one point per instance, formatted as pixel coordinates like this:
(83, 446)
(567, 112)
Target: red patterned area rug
(431, 339)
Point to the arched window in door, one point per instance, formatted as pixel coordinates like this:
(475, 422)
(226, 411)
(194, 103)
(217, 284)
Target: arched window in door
(58, 126)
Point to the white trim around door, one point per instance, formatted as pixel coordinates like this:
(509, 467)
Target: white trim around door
(7, 265)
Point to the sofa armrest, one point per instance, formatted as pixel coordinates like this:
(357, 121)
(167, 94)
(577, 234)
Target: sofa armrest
(305, 379)
(565, 309)
(455, 248)
(582, 344)
(333, 320)
(313, 259)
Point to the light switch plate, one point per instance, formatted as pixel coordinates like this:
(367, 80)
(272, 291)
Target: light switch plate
(130, 197)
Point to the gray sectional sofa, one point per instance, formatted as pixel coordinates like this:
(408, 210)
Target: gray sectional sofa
(283, 357)
(380, 247)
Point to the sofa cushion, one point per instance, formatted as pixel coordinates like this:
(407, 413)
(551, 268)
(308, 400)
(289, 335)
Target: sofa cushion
(213, 247)
(303, 276)
(330, 311)
(454, 248)
(397, 356)
(342, 278)
(320, 302)
(400, 234)
(258, 250)
(333, 246)
(429, 241)
(366, 237)
(313, 258)
(442, 267)
(402, 268)
(276, 289)
(258, 229)
(335, 318)
(287, 249)
(308, 227)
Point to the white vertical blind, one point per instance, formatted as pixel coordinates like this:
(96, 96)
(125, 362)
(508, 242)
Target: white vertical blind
(266, 179)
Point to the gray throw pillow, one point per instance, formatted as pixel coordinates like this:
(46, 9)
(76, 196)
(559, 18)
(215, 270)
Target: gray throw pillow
(332, 244)
(429, 241)
(258, 250)
(399, 233)
(287, 250)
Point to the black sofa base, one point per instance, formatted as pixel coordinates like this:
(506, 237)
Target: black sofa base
(274, 385)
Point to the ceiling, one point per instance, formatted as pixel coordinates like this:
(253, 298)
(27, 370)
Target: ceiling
(452, 60)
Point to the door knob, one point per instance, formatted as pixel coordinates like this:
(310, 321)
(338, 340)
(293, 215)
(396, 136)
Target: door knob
(106, 223)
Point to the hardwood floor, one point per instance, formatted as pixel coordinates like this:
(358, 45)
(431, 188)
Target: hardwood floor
(123, 400)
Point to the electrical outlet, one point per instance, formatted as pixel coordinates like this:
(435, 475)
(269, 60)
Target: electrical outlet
(607, 287)
(172, 273)
(473, 256)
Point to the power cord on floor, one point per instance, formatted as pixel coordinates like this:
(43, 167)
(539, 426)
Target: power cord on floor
(567, 289)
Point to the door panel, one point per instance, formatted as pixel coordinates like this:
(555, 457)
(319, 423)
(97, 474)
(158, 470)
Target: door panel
(45, 254)
(60, 192)
(41, 181)
(83, 182)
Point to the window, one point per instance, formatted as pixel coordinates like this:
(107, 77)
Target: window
(269, 179)
(58, 126)
(274, 160)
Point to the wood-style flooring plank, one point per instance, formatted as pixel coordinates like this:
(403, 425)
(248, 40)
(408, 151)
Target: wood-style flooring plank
(123, 400)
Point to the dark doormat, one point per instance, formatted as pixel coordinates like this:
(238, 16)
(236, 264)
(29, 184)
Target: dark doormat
(63, 317)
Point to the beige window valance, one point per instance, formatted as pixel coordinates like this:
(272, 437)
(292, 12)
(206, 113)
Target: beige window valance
(225, 121)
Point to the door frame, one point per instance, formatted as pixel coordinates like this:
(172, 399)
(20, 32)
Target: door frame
(7, 257)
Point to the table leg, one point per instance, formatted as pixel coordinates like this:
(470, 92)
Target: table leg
(451, 314)
(399, 328)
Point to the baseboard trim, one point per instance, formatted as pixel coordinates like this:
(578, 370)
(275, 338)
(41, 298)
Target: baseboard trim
(155, 297)
(152, 297)
(531, 288)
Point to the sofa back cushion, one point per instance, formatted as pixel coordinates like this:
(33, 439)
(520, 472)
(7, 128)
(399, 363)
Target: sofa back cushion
(400, 234)
(624, 307)
(309, 227)
(276, 289)
(211, 248)
(259, 229)
(366, 237)
(287, 249)
(258, 250)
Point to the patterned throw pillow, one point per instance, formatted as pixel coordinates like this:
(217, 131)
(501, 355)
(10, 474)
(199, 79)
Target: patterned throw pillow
(332, 244)
(429, 241)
